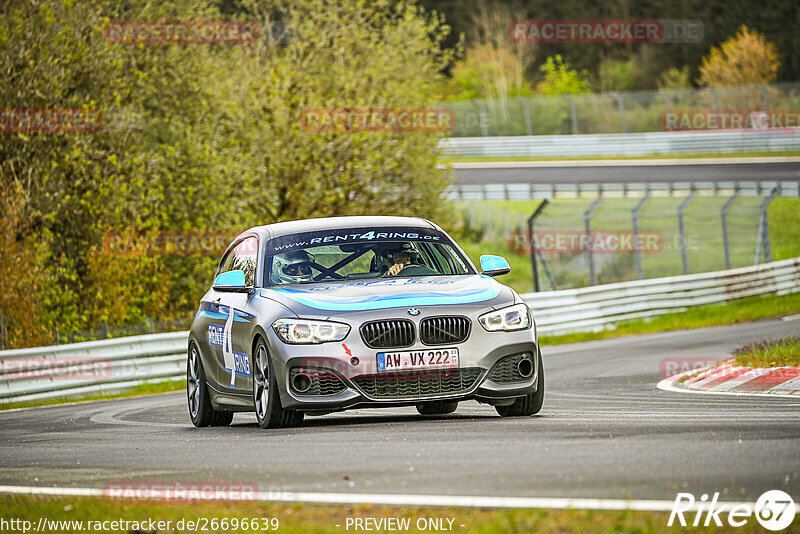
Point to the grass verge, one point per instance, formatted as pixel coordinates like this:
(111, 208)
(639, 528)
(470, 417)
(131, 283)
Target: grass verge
(142, 389)
(774, 353)
(322, 518)
(746, 309)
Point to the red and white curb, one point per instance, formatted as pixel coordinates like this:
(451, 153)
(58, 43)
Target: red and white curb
(726, 378)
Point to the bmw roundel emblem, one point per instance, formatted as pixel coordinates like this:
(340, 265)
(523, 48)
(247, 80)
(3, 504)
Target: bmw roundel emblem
(413, 311)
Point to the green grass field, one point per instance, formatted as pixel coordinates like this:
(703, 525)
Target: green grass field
(299, 518)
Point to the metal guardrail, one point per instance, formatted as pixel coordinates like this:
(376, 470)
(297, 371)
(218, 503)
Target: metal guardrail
(598, 307)
(632, 144)
(91, 367)
(96, 366)
(531, 191)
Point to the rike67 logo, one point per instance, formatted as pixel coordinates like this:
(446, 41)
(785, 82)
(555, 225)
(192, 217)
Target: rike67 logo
(774, 510)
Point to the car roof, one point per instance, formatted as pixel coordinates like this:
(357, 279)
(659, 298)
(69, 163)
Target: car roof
(269, 231)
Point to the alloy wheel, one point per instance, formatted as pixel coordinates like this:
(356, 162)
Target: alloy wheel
(193, 381)
(261, 383)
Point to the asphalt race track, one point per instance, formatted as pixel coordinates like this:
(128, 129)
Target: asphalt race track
(630, 171)
(605, 431)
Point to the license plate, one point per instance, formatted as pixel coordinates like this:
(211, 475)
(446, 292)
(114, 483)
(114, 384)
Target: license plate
(417, 359)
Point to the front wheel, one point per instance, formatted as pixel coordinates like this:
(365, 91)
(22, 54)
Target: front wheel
(269, 412)
(200, 409)
(529, 404)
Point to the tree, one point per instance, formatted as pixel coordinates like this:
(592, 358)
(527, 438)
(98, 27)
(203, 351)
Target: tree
(201, 138)
(743, 59)
(489, 72)
(494, 66)
(382, 54)
(618, 76)
(21, 274)
(560, 78)
(674, 78)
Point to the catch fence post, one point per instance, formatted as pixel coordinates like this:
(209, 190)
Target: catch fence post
(763, 229)
(636, 211)
(527, 109)
(621, 105)
(573, 114)
(532, 242)
(668, 111)
(482, 114)
(725, 242)
(764, 96)
(587, 219)
(681, 229)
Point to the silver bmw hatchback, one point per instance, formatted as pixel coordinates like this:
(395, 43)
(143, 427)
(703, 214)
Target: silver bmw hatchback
(322, 315)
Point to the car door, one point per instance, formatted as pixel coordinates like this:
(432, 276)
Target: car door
(229, 329)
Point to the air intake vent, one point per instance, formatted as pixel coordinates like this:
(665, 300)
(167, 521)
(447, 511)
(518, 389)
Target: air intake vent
(514, 368)
(440, 382)
(444, 330)
(388, 334)
(318, 381)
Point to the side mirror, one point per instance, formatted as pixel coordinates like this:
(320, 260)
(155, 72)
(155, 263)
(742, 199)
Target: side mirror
(233, 281)
(494, 265)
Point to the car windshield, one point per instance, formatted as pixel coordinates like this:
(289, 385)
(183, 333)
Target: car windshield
(359, 253)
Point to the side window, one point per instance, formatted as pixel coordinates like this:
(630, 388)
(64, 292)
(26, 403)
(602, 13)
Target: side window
(242, 257)
(440, 260)
(226, 263)
(445, 259)
(453, 258)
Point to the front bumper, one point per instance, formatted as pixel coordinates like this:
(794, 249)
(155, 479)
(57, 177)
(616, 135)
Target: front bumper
(350, 384)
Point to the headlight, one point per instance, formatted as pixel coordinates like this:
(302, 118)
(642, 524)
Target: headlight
(305, 331)
(514, 317)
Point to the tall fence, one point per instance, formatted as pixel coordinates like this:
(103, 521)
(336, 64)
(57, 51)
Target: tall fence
(597, 237)
(616, 112)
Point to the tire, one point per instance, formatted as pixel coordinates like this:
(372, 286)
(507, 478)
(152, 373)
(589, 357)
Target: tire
(200, 409)
(437, 407)
(266, 397)
(529, 404)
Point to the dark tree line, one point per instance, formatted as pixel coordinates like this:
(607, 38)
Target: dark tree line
(778, 20)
